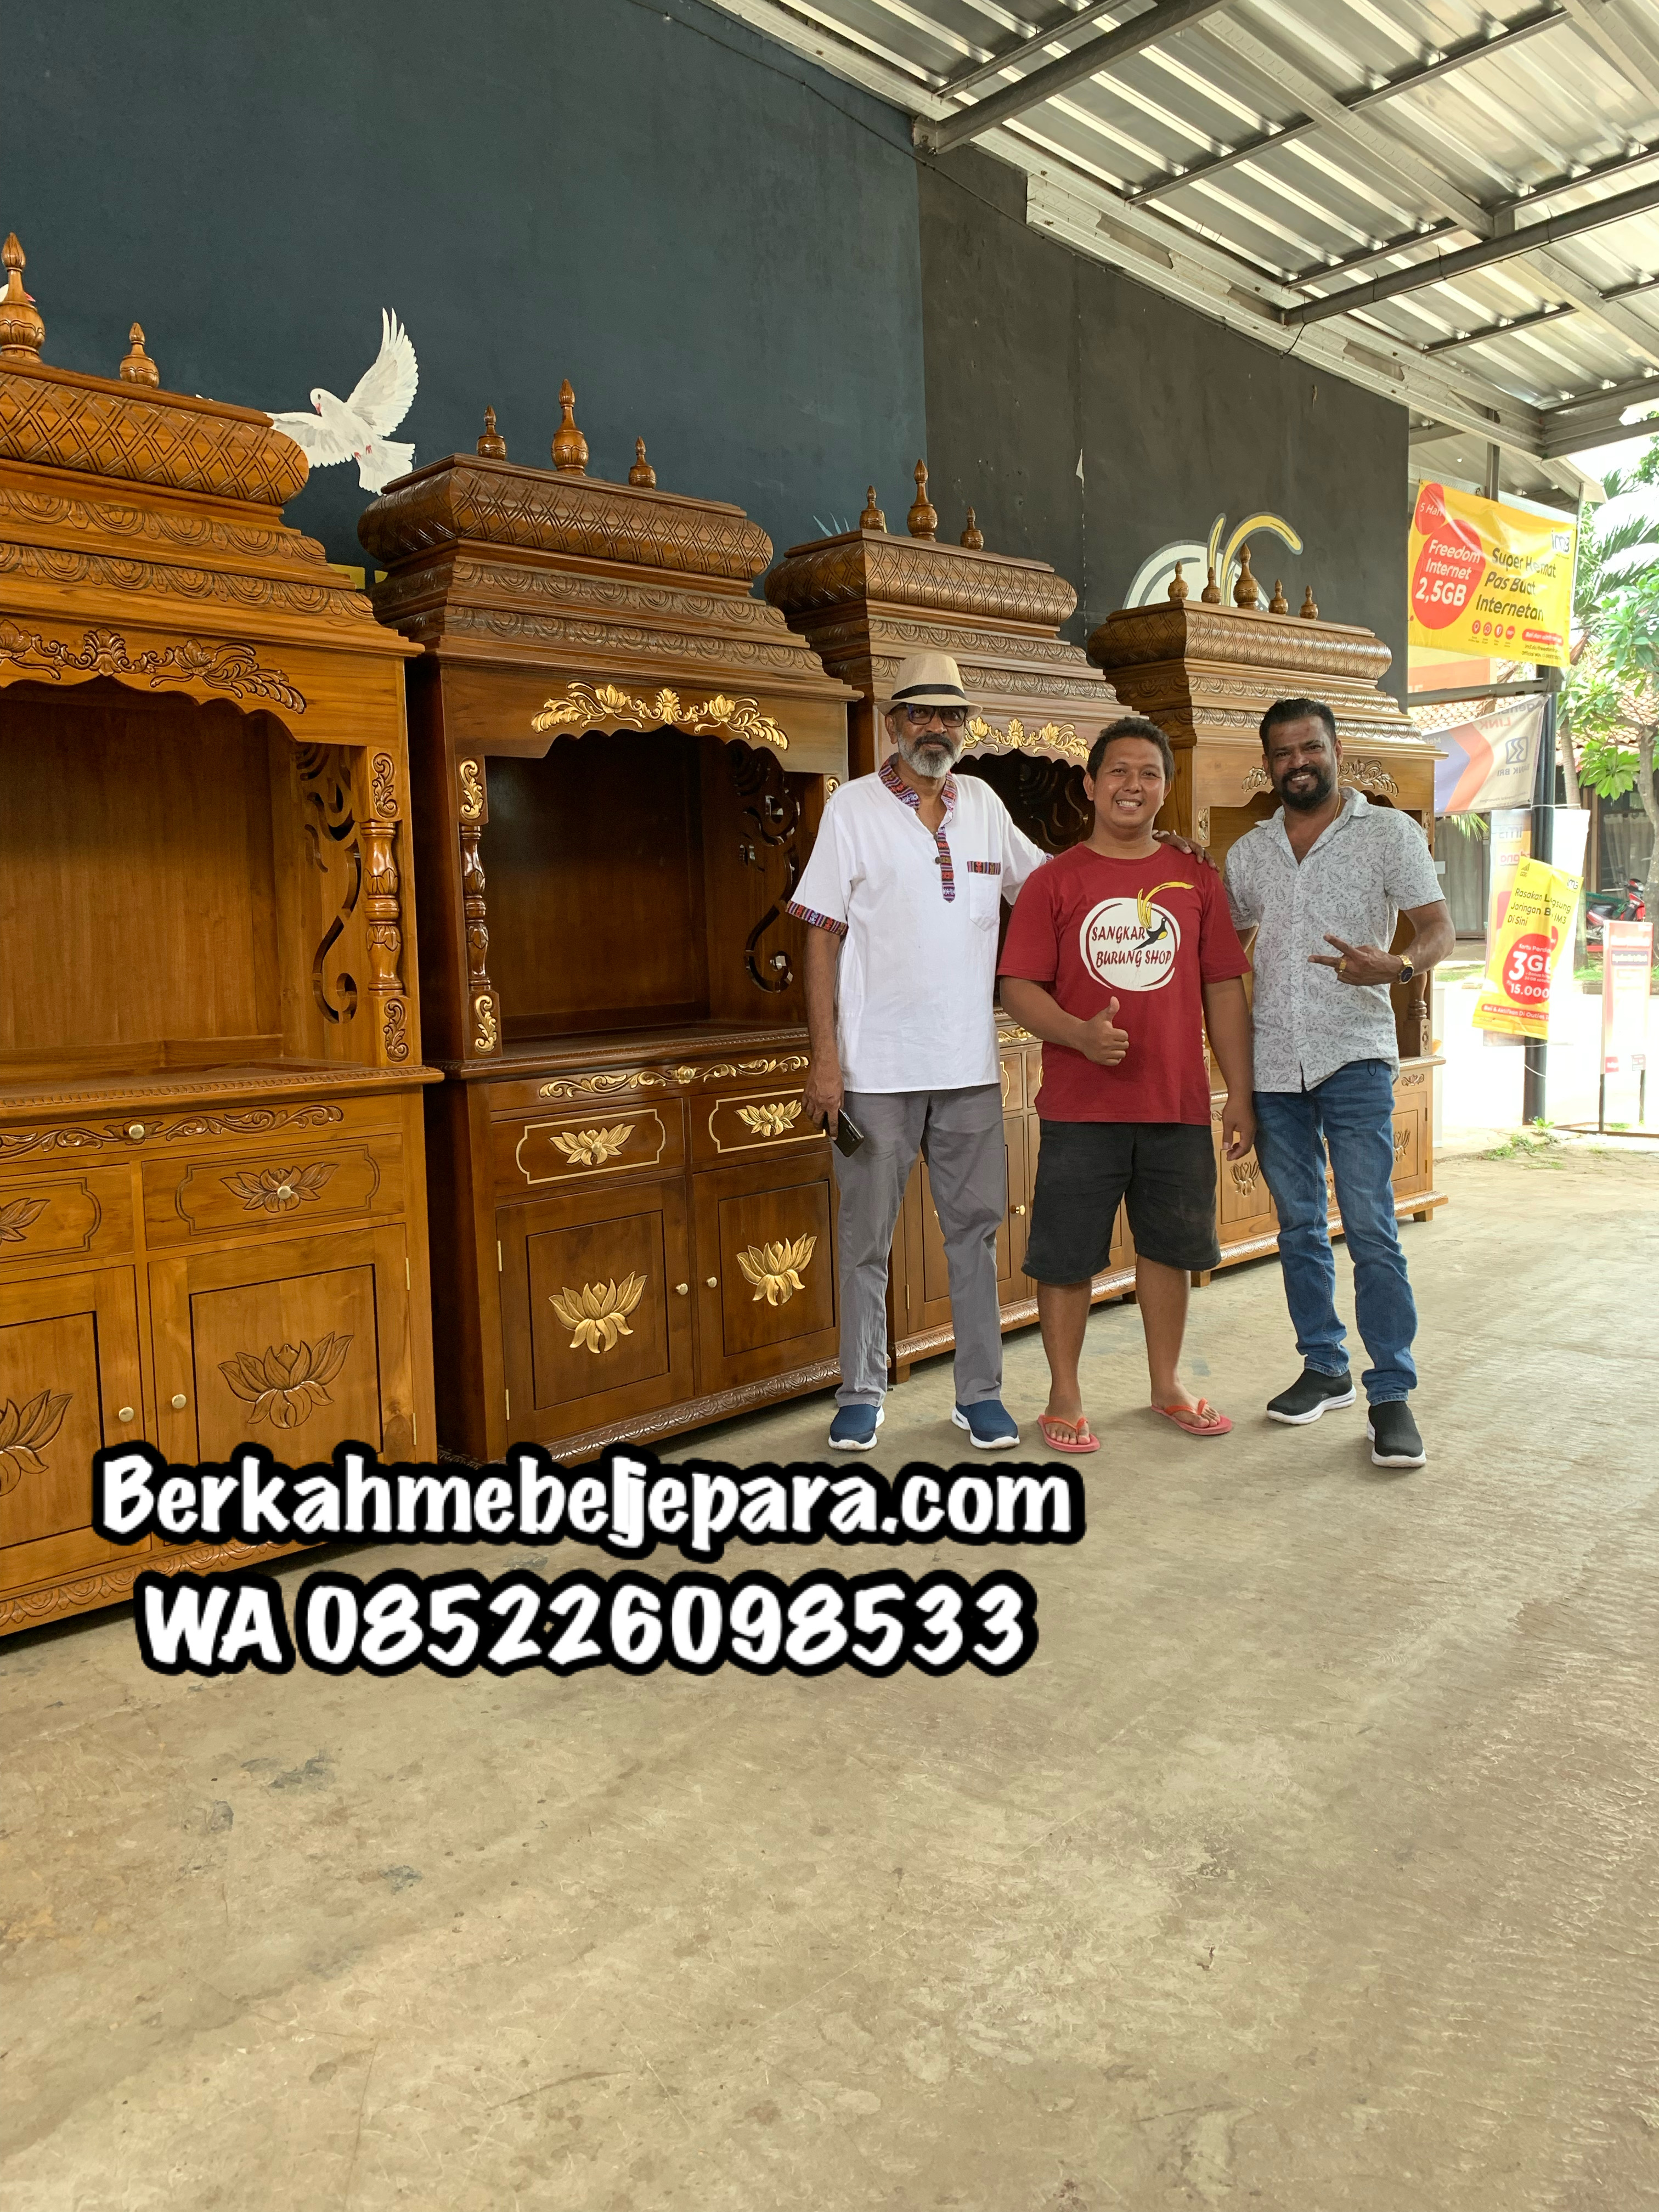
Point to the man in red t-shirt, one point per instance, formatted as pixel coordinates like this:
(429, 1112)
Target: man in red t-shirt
(1119, 953)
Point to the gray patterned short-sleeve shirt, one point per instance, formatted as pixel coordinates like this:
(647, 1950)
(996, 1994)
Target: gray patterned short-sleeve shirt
(1372, 864)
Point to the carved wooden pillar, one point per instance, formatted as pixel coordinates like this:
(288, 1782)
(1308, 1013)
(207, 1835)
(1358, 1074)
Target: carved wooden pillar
(483, 1031)
(383, 913)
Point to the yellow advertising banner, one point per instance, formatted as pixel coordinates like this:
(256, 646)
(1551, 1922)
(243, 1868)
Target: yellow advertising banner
(1489, 578)
(1536, 928)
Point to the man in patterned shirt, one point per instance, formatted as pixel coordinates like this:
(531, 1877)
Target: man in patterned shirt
(1324, 883)
(904, 892)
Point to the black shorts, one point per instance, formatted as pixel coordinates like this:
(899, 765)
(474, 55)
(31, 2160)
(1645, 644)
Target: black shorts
(1087, 1170)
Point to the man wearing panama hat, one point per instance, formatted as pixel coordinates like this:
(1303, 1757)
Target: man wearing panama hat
(904, 892)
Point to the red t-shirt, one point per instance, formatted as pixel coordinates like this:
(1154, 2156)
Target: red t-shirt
(1149, 933)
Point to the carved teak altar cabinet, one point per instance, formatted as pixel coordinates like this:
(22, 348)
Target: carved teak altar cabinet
(865, 599)
(620, 757)
(212, 1203)
(1206, 672)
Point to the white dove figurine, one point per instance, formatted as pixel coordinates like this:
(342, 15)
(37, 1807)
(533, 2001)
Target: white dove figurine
(356, 429)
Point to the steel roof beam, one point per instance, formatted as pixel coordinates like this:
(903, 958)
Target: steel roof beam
(1595, 22)
(1299, 126)
(1589, 300)
(1512, 245)
(1157, 22)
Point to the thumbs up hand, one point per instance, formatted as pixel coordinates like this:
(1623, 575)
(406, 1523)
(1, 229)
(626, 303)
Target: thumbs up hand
(1101, 1041)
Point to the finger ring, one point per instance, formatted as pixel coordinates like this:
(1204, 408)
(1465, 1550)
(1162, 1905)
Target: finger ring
(1342, 969)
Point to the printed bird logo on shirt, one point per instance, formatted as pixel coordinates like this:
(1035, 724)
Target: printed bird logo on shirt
(1155, 934)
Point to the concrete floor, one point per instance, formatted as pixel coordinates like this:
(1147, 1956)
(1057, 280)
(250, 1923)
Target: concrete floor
(1310, 1862)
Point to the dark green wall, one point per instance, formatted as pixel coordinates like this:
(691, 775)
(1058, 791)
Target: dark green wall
(726, 250)
(1036, 356)
(713, 241)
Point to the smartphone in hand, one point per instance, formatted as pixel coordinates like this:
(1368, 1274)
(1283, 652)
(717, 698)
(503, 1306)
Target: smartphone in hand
(846, 1136)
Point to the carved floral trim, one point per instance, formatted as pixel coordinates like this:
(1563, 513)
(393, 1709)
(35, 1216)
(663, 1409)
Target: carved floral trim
(290, 1381)
(597, 1315)
(256, 1121)
(774, 1270)
(1062, 736)
(234, 668)
(660, 1078)
(1358, 774)
(23, 1429)
(487, 1035)
(585, 707)
(472, 797)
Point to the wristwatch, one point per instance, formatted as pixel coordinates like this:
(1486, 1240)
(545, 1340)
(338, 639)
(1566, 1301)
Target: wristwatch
(1406, 970)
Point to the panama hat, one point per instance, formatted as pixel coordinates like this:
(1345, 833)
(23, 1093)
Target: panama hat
(928, 679)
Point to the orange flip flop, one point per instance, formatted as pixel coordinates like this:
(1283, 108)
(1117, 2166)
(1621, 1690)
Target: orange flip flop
(1199, 1421)
(1077, 1437)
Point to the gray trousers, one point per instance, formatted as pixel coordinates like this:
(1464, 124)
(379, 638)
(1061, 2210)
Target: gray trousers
(959, 1134)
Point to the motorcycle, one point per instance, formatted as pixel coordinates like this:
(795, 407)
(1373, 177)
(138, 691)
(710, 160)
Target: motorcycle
(1621, 904)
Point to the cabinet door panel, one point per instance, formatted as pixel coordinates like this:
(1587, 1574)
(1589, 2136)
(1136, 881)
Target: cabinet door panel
(56, 1220)
(766, 1235)
(596, 1308)
(297, 1346)
(69, 1372)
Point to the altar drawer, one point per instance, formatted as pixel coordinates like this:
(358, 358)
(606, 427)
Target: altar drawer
(56, 1218)
(745, 1124)
(254, 1193)
(584, 1148)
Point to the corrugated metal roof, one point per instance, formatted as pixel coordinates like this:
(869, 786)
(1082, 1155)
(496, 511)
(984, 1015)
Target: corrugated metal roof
(1298, 146)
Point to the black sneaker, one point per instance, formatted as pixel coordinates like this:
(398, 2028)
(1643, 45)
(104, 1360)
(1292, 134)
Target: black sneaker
(1395, 1440)
(1311, 1394)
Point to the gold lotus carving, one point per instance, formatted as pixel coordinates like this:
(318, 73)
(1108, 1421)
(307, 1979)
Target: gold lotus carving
(776, 1117)
(290, 1381)
(591, 1148)
(597, 1315)
(1246, 1174)
(587, 706)
(774, 1270)
(23, 1429)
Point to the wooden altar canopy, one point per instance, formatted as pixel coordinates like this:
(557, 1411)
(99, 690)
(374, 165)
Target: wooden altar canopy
(636, 1224)
(212, 1202)
(867, 599)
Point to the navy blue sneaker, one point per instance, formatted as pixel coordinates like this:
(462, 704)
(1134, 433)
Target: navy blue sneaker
(854, 1428)
(989, 1423)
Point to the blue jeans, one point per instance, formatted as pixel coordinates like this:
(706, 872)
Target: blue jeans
(1352, 1113)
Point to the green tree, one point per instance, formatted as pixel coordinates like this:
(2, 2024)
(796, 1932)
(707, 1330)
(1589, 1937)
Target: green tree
(1610, 705)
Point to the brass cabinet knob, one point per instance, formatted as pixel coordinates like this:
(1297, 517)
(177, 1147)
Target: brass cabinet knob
(1019, 1209)
(135, 1130)
(284, 1190)
(682, 1289)
(179, 1401)
(714, 1282)
(124, 1413)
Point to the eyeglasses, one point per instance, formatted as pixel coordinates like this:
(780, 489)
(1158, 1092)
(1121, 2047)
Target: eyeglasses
(950, 718)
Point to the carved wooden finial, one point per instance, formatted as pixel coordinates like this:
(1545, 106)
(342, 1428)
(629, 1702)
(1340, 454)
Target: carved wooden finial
(492, 447)
(642, 473)
(1179, 587)
(22, 333)
(1211, 595)
(972, 536)
(569, 446)
(872, 518)
(1310, 611)
(923, 520)
(1247, 593)
(138, 367)
(1279, 604)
